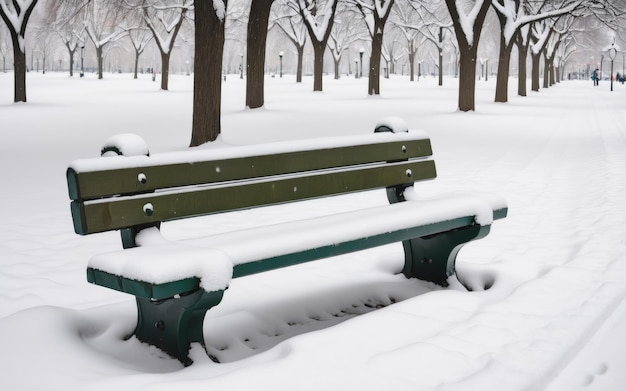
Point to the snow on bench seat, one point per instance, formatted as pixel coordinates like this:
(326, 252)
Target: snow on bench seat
(215, 259)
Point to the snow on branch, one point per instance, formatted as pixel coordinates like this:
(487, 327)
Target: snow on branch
(468, 20)
(317, 17)
(220, 9)
(16, 17)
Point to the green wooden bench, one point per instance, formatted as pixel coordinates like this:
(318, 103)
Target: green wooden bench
(176, 282)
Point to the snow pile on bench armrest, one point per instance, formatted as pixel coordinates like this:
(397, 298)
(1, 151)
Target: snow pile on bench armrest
(166, 262)
(482, 203)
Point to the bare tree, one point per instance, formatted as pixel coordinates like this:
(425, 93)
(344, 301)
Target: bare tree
(139, 37)
(63, 18)
(287, 19)
(564, 53)
(408, 21)
(102, 24)
(45, 44)
(318, 17)
(541, 32)
(375, 13)
(164, 18)
(209, 19)
(433, 26)
(235, 32)
(400, 19)
(71, 39)
(16, 15)
(513, 15)
(139, 34)
(344, 33)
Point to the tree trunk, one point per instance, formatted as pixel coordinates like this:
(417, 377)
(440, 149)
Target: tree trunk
(467, 79)
(336, 61)
(318, 64)
(257, 37)
(374, 73)
(136, 63)
(412, 64)
(546, 72)
(440, 67)
(522, 54)
(165, 70)
(207, 91)
(299, 68)
(19, 74)
(100, 60)
(467, 50)
(71, 59)
(502, 79)
(536, 58)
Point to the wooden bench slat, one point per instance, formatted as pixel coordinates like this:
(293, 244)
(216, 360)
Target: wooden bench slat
(108, 182)
(120, 212)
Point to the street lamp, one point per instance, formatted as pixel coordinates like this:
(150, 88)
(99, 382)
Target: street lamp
(82, 61)
(419, 69)
(612, 54)
(281, 62)
(361, 51)
(241, 68)
(356, 69)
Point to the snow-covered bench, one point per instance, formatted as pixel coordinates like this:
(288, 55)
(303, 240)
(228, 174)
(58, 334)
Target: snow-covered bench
(176, 282)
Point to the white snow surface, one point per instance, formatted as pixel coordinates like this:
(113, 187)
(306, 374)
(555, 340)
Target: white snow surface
(546, 310)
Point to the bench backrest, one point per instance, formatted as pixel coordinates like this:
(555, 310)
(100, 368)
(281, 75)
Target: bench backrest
(138, 191)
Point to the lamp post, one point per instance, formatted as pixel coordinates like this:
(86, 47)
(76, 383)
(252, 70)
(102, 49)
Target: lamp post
(82, 61)
(361, 51)
(280, 55)
(419, 69)
(241, 68)
(356, 69)
(612, 54)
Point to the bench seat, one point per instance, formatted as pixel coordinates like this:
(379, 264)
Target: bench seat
(159, 268)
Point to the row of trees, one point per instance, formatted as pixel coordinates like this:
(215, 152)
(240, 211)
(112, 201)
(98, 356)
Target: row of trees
(548, 30)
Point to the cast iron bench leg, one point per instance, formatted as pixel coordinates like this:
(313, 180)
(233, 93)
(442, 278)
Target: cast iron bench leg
(432, 258)
(172, 324)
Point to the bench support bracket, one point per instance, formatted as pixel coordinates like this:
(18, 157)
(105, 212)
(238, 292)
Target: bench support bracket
(173, 324)
(432, 258)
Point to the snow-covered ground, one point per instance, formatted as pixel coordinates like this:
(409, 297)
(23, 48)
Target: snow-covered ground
(553, 317)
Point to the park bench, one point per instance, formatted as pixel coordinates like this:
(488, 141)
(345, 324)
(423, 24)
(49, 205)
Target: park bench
(176, 282)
